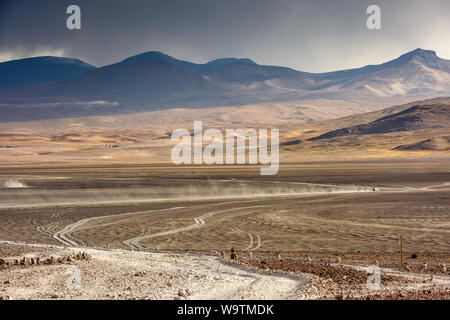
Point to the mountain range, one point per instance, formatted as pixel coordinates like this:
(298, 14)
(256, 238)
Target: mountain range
(153, 80)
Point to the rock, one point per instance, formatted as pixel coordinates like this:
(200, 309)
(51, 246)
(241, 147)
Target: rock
(169, 284)
(188, 292)
(5, 298)
(4, 264)
(233, 254)
(6, 282)
(54, 296)
(414, 256)
(38, 261)
(181, 293)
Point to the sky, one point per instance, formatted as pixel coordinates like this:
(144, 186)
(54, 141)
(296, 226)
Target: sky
(313, 36)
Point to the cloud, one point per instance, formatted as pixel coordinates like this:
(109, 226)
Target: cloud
(20, 53)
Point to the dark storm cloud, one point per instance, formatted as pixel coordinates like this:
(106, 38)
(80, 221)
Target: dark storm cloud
(307, 35)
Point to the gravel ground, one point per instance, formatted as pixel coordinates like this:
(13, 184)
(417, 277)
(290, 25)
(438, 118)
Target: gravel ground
(125, 274)
(336, 281)
(122, 274)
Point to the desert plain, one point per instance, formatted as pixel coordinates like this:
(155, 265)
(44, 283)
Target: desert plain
(336, 207)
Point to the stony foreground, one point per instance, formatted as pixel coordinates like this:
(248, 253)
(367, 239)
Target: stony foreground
(121, 274)
(51, 272)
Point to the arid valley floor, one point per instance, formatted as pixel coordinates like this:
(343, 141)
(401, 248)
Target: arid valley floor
(338, 217)
(339, 203)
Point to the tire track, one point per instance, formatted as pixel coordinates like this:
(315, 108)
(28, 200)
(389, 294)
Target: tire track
(252, 246)
(445, 184)
(64, 235)
(199, 222)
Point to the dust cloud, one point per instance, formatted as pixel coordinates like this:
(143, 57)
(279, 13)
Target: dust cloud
(13, 184)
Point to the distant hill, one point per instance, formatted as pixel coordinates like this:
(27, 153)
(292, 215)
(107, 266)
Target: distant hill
(439, 143)
(418, 117)
(138, 79)
(153, 56)
(41, 69)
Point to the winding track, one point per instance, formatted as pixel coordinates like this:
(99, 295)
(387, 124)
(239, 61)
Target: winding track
(208, 277)
(64, 235)
(252, 246)
(199, 222)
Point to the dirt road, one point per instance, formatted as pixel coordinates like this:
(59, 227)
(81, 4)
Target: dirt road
(124, 274)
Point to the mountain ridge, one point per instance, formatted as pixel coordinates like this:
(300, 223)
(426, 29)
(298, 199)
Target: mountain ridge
(154, 81)
(418, 117)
